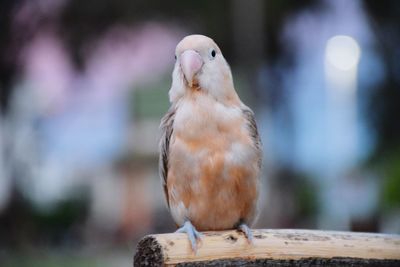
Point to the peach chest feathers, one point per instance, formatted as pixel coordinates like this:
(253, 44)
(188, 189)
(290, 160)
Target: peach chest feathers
(204, 122)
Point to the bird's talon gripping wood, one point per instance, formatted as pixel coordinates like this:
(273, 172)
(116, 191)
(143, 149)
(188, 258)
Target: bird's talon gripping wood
(210, 150)
(247, 233)
(193, 235)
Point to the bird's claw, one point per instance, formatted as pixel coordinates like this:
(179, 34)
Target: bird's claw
(192, 233)
(247, 232)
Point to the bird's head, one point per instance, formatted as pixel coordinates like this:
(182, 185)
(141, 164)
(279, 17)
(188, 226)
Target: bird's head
(200, 65)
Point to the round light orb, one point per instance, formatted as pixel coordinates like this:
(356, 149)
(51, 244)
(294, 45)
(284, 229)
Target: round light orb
(342, 52)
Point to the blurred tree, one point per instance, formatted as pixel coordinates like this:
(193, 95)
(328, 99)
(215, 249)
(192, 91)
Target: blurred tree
(384, 107)
(8, 56)
(384, 102)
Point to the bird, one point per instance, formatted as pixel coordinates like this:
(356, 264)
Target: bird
(210, 148)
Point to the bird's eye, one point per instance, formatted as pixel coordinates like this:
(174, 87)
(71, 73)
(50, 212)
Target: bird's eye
(175, 57)
(213, 53)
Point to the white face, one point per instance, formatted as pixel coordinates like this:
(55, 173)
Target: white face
(200, 65)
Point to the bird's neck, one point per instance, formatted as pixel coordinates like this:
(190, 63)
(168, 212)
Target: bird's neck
(229, 98)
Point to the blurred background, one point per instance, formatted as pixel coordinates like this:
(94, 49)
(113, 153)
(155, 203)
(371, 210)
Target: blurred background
(83, 86)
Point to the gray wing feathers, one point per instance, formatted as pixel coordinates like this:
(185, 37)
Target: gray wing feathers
(166, 133)
(252, 126)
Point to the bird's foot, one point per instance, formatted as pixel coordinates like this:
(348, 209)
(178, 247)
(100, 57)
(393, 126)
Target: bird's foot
(247, 232)
(193, 235)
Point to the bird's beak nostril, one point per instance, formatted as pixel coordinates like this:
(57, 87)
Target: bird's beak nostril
(191, 63)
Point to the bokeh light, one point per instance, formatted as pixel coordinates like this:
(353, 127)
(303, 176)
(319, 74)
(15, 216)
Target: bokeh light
(343, 52)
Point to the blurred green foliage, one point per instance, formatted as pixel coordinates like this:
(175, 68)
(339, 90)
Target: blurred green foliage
(391, 181)
(58, 224)
(151, 101)
(24, 223)
(307, 198)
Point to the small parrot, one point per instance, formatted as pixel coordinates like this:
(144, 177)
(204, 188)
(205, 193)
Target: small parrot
(210, 149)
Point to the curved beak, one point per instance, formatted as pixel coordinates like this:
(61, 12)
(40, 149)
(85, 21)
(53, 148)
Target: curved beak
(191, 63)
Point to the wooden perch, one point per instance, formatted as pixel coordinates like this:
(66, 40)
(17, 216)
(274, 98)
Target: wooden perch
(271, 248)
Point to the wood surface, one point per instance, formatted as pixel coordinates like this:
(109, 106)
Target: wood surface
(271, 248)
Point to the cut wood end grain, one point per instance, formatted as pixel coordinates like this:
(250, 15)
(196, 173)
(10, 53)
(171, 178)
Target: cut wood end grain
(271, 248)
